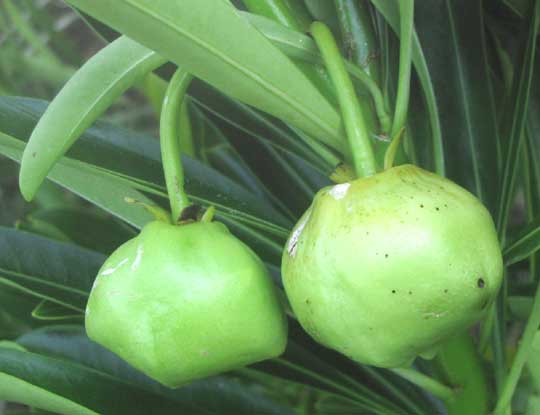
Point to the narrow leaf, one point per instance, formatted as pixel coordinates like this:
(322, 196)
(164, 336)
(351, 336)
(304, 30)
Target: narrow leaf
(56, 271)
(523, 245)
(211, 40)
(80, 102)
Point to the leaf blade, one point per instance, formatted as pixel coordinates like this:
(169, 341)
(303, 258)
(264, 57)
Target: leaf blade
(211, 40)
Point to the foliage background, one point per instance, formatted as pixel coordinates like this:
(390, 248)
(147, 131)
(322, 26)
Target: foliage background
(472, 60)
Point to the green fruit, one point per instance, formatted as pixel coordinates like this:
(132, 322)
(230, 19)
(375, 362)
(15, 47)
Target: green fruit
(185, 302)
(387, 267)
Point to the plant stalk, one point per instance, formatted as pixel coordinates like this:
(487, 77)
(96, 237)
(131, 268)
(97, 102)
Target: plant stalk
(170, 141)
(459, 365)
(357, 134)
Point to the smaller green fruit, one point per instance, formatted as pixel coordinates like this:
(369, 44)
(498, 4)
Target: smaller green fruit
(387, 267)
(185, 302)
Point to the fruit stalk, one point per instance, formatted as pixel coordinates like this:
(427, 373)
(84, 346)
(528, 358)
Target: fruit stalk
(170, 141)
(357, 134)
(459, 365)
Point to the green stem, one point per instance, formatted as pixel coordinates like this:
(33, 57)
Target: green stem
(357, 134)
(406, 12)
(427, 383)
(391, 151)
(375, 92)
(459, 364)
(187, 146)
(170, 141)
(298, 47)
(521, 356)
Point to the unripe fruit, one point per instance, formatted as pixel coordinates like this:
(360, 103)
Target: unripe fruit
(387, 267)
(185, 302)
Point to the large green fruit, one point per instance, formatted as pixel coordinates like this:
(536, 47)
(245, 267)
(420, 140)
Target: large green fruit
(387, 267)
(185, 302)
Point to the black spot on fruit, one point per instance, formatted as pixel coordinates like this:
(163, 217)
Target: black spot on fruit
(480, 283)
(393, 291)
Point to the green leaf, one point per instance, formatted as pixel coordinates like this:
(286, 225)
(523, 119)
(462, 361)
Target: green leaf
(515, 115)
(86, 96)
(212, 41)
(110, 192)
(50, 311)
(306, 362)
(265, 147)
(520, 306)
(214, 148)
(455, 49)
(83, 227)
(137, 157)
(67, 388)
(47, 269)
(90, 183)
(215, 395)
(523, 245)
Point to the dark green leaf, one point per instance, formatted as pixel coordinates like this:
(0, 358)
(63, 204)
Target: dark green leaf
(137, 156)
(67, 388)
(47, 269)
(523, 245)
(100, 188)
(515, 115)
(216, 395)
(83, 227)
(50, 311)
(455, 50)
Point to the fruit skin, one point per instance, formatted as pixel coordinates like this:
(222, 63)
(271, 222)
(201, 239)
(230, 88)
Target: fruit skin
(387, 267)
(184, 302)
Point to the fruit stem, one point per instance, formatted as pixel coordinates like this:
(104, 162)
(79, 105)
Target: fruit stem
(208, 215)
(505, 398)
(459, 365)
(357, 134)
(427, 383)
(406, 14)
(391, 151)
(170, 141)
